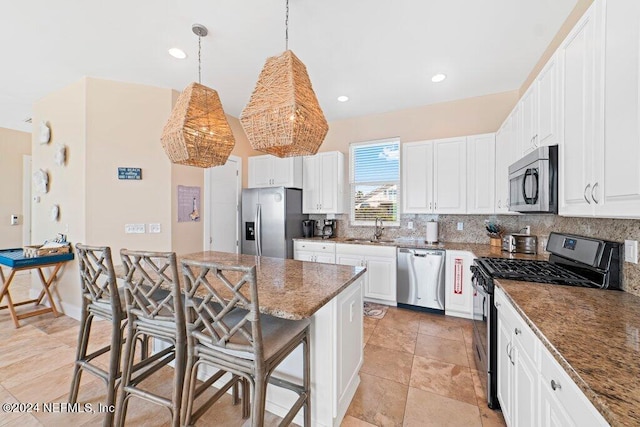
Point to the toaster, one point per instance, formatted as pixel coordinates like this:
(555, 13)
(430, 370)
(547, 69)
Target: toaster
(520, 243)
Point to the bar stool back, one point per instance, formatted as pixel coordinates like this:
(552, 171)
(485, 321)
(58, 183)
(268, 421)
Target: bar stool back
(101, 299)
(154, 309)
(226, 331)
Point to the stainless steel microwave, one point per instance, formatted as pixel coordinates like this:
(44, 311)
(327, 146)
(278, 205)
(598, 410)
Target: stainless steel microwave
(533, 182)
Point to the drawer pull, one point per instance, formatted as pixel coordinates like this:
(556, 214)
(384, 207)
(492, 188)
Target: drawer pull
(555, 386)
(517, 331)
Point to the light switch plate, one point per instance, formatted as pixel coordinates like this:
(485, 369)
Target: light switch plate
(155, 228)
(14, 219)
(410, 225)
(631, 251)
(460, 226)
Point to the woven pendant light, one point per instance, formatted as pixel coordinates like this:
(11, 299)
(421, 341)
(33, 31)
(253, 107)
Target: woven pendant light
(283, 116)
(198, 133)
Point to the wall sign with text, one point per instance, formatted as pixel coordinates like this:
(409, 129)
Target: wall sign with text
(130, 173)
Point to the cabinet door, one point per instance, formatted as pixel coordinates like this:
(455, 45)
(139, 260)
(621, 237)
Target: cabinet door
(505, 366)
(481, 170)
(581, 112)
(450, 177)
(552, 414)
(328, 183)
(303, 255)
(325, 258)
(548, 110)
(310, 185)
(260, 171)
(417, 177)
(348, 259)
(282, 172)
(458, 299)
(381, 278)
(619, 194)
(525, 379)
(529, 119)
(502, 160)
(349, 340)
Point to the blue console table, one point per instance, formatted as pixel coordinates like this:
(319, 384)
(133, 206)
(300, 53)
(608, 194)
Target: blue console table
(16, 261)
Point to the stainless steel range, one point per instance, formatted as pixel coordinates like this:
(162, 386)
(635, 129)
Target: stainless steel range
(574, 261)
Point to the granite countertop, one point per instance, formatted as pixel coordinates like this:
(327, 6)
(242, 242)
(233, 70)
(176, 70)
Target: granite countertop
(478, 249)
(595, 336)
(287, 288)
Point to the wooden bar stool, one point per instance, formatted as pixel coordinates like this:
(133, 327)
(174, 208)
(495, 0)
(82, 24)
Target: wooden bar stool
(102, 299)
(225, 330)
(154, 309)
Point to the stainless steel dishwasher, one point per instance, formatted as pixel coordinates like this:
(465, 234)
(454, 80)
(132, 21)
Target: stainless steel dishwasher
(421, 279)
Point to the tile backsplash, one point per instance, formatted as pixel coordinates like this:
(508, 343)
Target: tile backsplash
(474, 231)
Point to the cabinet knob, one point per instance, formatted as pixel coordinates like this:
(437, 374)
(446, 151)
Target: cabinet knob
(498, 304)
(517, 331)
(555, 386)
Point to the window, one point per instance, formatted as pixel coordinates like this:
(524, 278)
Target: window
(375, 181)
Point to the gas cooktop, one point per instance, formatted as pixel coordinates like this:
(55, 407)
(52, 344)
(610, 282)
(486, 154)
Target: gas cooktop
(532, 271)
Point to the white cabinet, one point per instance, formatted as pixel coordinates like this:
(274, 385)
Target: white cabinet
(272, 171)
(380, 261)
(617, 188)
(323, 183)
(481, 163)
(458, 298)
(304, 250)
(434, 176)
(517, 374)
(580, 59)
(533, 389)
(549, 114)
(529, 124)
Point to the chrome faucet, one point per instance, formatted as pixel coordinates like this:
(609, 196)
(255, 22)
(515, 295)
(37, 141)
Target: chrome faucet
(379, 229)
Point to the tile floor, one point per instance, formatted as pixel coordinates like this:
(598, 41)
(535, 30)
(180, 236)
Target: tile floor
(417, 371)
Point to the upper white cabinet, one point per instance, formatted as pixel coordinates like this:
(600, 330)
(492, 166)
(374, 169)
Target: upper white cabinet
(529, 124)
(581, 152)
(272, 171)
(507, 150)
(323, 183)
(617, 185)
(549, 114)
(434, 176)
(481, 164)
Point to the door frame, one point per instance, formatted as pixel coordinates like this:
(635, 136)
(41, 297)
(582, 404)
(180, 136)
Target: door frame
(207, 202)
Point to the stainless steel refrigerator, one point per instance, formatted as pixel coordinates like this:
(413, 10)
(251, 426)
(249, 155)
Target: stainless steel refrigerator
(271, 218)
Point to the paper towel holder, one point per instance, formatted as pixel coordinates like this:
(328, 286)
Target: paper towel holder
(432, 232)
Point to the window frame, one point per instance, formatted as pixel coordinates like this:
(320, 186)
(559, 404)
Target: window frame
(352, 183)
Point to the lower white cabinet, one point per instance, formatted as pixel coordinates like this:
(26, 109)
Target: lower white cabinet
(533, 389)
(314, 251)
(458, 298)
(380, 261)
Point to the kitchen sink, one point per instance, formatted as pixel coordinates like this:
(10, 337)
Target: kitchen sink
(369, 241)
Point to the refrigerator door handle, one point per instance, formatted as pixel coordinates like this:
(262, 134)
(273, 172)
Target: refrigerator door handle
(258, 231)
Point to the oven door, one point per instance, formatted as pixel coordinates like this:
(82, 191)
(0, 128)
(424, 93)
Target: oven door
(529, 188)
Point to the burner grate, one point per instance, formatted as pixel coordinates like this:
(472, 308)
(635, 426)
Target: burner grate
(532, 271)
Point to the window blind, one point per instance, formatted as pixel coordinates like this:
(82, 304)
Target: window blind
(375, 181)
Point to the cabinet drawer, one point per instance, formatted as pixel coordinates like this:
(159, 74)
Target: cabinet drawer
(571, 398)
(366, 250)
(516, 325)
(328, 248)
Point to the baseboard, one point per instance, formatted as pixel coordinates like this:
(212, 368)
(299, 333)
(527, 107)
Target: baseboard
(65, 308)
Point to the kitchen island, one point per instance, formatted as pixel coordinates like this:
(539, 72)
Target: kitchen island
(331, 296)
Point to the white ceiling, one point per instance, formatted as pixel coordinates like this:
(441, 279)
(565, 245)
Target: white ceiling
(380, 53)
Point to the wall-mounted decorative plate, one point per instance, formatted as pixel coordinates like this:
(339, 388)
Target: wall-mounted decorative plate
(41, 181)
(45, 133)
(60, 155)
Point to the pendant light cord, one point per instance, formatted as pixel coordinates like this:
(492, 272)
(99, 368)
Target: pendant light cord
(199, 64)
(286, 30)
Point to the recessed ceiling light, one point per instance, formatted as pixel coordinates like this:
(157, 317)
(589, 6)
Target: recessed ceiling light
(438, 78)
(343, 98)
(177, 53)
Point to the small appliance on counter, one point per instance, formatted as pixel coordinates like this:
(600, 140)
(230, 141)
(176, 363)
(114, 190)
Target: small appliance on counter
(432, 232)
(329, 228)
(520, 243)
(308, 227)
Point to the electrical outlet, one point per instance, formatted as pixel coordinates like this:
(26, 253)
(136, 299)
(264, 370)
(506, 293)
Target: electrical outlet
(410, 225)
(460, 226)
(155, 228)
(631, 251)
(134, 228)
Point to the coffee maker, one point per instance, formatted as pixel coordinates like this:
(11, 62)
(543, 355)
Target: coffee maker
(329, 228)
(308, 228)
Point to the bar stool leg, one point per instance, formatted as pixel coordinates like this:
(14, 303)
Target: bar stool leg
(81, 354)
